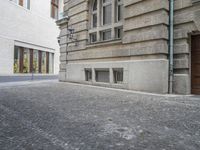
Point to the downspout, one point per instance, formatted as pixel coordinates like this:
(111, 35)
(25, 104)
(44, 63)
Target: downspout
(171, 46)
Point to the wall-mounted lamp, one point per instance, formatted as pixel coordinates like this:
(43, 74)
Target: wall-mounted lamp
(71, 33)
(58, 38)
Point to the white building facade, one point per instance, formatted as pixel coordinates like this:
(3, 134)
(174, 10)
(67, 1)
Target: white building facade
(28, 36)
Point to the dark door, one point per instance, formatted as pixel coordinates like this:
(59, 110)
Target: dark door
(195, 62)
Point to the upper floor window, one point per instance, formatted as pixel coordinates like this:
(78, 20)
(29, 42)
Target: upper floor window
(106, 18)
(23, 3)
(107, 12)
(54, 8)
(119, 10)
(94, 14)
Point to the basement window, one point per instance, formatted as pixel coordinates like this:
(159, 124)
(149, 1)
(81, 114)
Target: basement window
(88, 74)
(118, 75)
(102, 75)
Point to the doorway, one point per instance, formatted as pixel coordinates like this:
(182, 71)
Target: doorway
(195, 64)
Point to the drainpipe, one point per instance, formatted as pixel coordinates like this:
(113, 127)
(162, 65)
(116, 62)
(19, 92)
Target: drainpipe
(171, 46)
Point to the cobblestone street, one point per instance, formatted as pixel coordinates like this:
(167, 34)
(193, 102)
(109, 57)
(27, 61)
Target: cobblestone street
(64, 116)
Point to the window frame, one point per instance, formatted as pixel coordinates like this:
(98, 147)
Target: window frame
(118, 75)
(94, 12)
(91, 39)
(97, 75)
(102, 35)
(53, 6)
(88, 74)
(118, 3)
(25, 3)
(103, 27)
(103, 5)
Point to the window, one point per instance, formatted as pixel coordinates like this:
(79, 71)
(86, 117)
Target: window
(118, 75)
(102, 75)
(26, 61)
(27, 4)
(107, 12)
(16, 59)
(23, 3)
(106, 35)
(119, 10)
(44, 62)
(35, 61)
(54, 9)
(106, 20)
(88, 74)
(118, 32)
(29, 60)
(93, 37)
(94, 14)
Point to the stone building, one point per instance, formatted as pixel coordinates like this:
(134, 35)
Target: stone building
(125, 44)
(28, 36)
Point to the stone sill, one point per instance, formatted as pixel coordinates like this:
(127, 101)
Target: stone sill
(104, 43)
(62, 21)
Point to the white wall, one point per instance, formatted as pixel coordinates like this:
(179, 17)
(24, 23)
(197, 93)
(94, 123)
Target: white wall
(6, 56)
(34, 27)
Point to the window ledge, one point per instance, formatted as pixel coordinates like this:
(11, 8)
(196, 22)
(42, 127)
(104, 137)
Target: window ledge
(195, 1)
(100, 43)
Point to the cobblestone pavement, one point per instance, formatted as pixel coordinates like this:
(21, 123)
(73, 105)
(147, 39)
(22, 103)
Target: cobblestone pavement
(64, 116)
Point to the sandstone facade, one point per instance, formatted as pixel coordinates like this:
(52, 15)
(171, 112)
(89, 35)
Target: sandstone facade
(142, 51)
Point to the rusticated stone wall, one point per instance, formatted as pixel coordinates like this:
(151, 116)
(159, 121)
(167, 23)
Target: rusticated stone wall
(145, 39)
(187, 22)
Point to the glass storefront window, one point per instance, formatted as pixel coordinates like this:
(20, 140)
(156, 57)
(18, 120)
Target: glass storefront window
(16, 60)
(29, 60)
(35, 61)
(26, 61)
(44, 62)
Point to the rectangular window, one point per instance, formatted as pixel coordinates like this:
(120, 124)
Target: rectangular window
(88, 74)
(26, 61)
(102, 75)
(105, 35)
(16, 59)
(118, 32)
(107, 14)
(44, 62)
(93, 37)
(54, 9)
(29, 60)
(118, 75)
(23, 3)
(47, 62)
(119, 10)
(35, 61)
(94, 20)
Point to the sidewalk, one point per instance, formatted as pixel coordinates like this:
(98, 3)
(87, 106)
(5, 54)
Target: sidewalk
(23, 83)
(26, 77)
